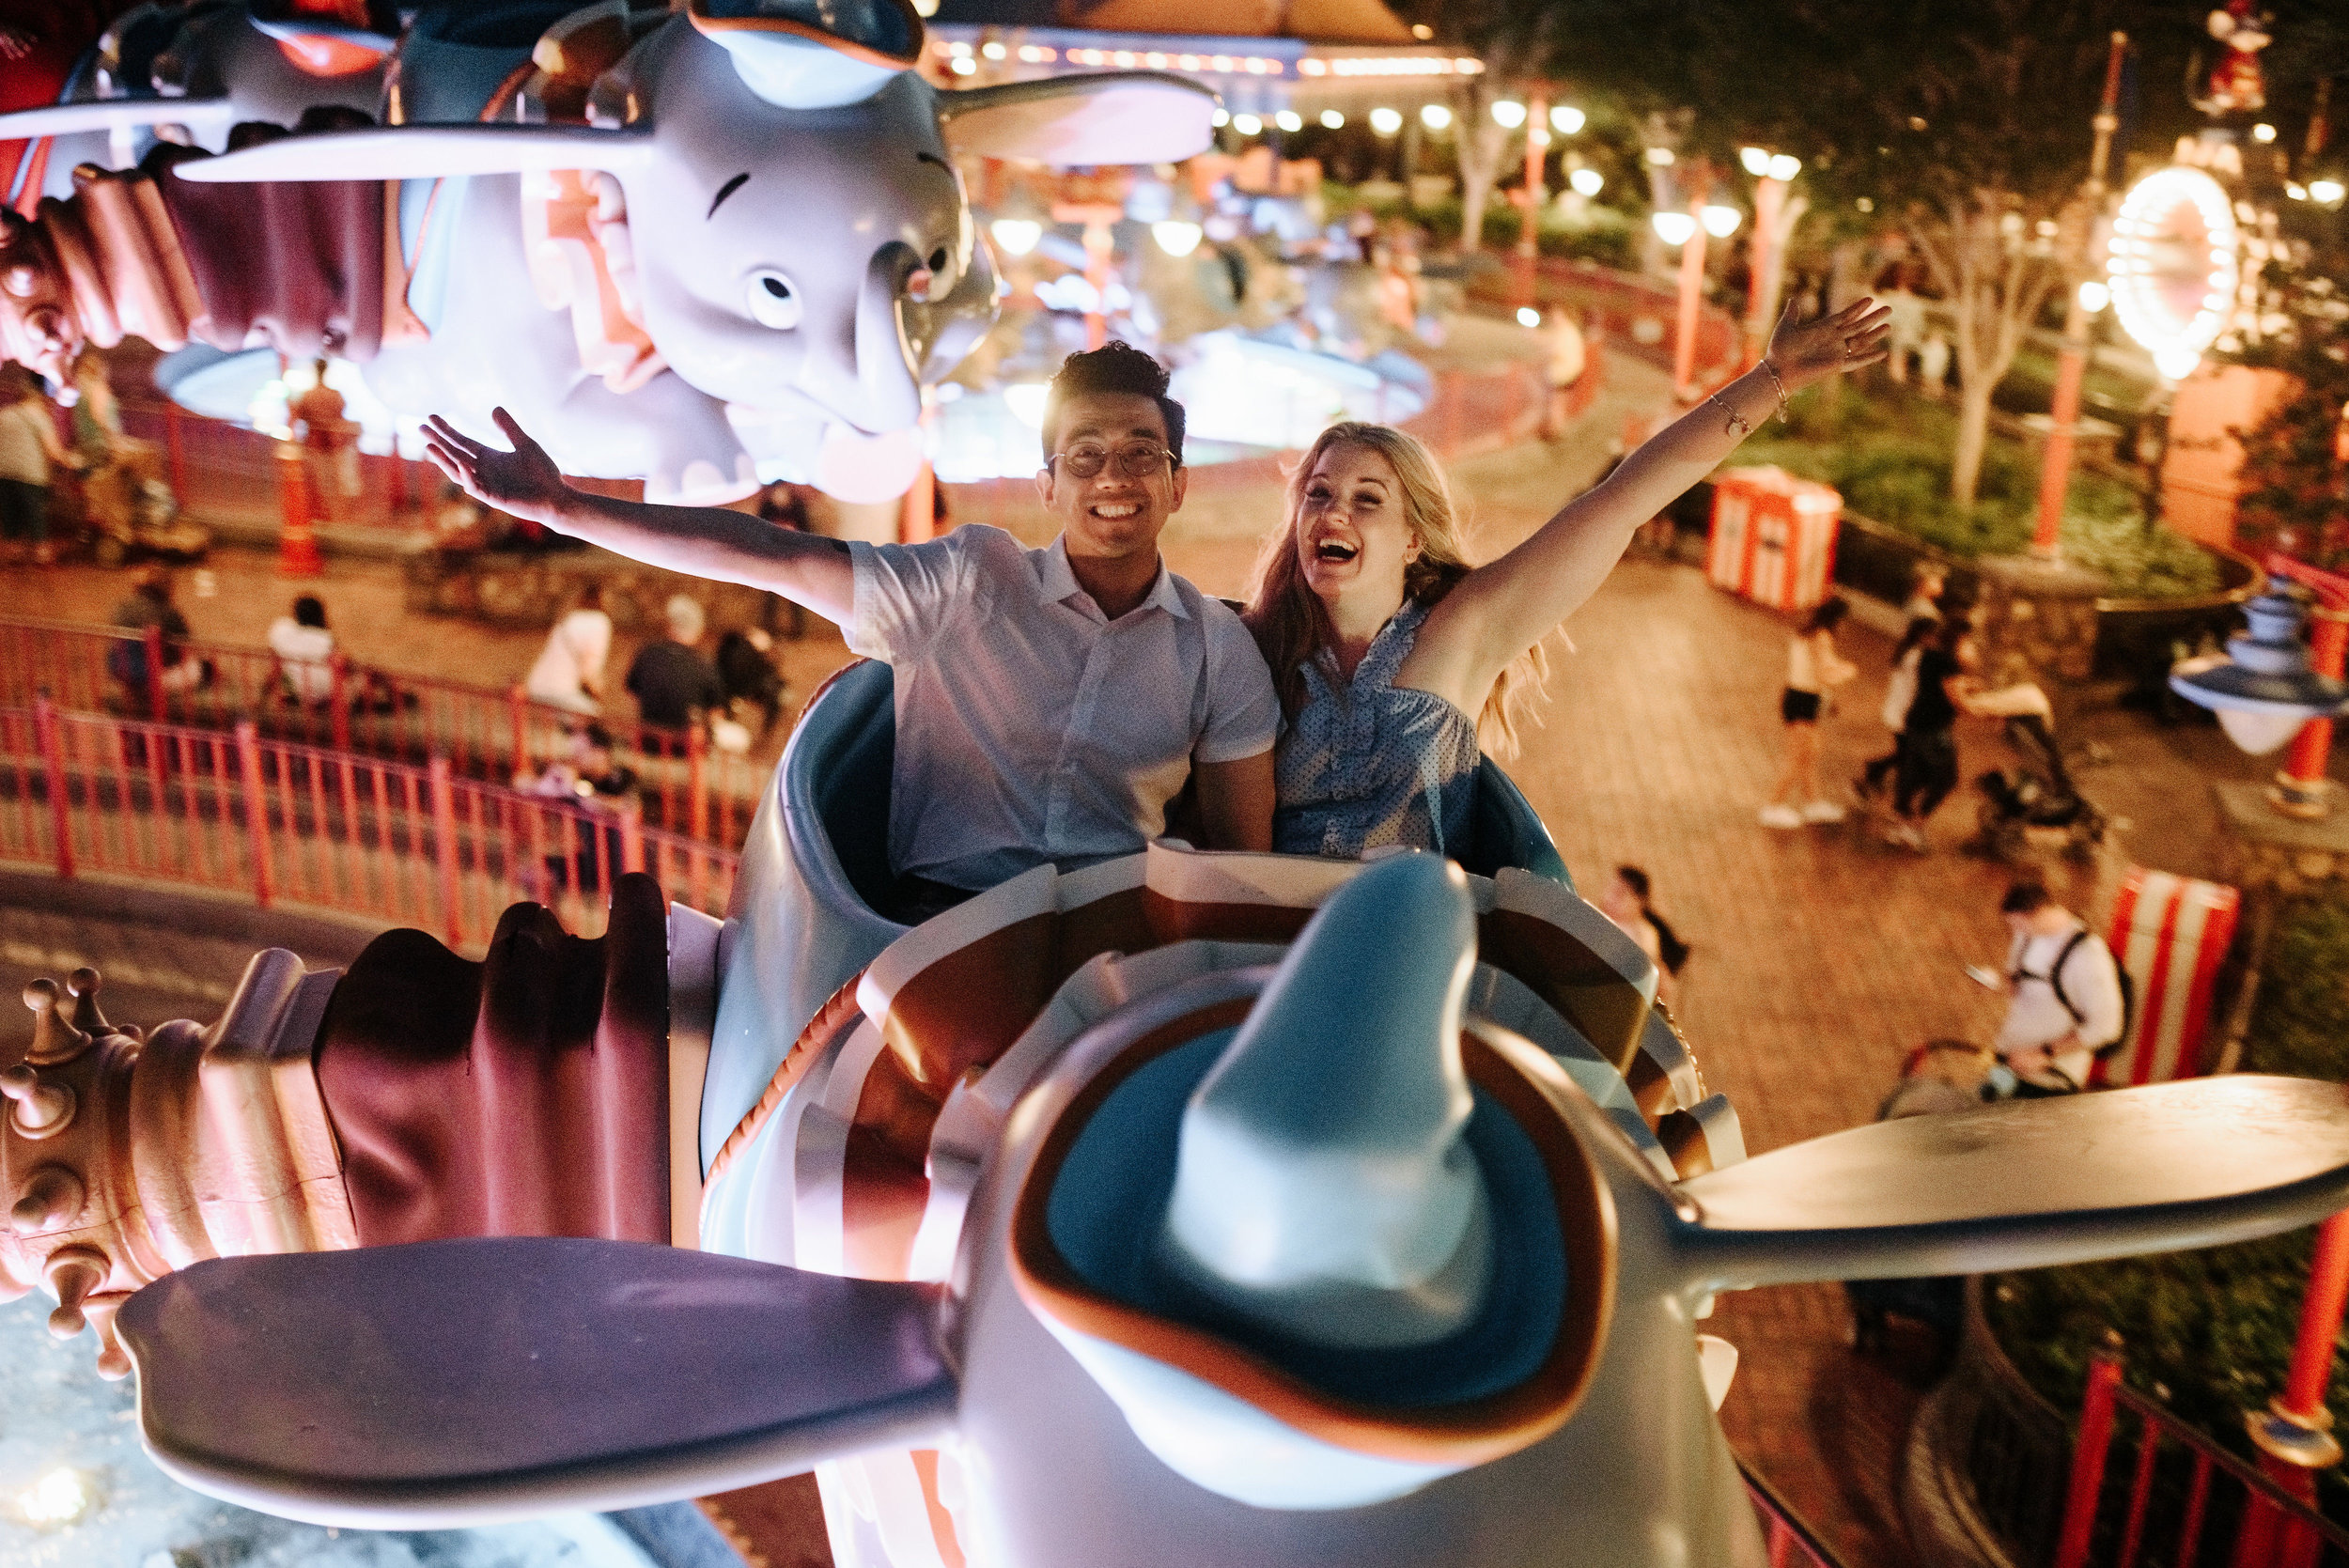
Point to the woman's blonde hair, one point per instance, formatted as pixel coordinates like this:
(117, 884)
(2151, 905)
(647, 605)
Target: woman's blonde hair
(1291, 627)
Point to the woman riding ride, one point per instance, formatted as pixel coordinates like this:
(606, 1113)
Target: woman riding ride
(1391, 653)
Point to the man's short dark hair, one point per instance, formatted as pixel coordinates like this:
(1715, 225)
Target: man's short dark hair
(2025, 898)
(1116, 366)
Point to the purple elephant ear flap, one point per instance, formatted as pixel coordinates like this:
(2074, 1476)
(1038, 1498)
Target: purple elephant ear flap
(423, 152)
(451, 1383)
(2027, 1185)
(1134, 116)
(813, 53)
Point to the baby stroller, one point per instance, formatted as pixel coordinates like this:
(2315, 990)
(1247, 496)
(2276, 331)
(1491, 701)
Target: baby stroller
(131, 511)
(2036, 805)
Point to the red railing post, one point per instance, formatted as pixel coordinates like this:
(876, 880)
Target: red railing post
(697, 781)
(155, 674)
(338, 701)
(2089, 1451)
(518, 710)
(444, 847)
(631, 842)
(256, 811)
(52, 743)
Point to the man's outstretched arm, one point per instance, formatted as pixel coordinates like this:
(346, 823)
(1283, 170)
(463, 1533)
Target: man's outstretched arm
(701, 541)
(1236, 803)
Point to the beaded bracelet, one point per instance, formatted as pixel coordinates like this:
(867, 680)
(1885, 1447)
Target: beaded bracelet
(1736, 423)
(1776, 385)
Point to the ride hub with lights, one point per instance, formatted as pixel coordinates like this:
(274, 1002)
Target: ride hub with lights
(2175, 266)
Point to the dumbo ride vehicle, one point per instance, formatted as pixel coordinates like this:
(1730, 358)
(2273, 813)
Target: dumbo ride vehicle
(1185, 1208)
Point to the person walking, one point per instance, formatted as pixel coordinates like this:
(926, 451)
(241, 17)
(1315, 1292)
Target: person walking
(1900, 690)
(28, 447)
(1928, 766)
(2066, 997)
(1813, 669)
(568, 673)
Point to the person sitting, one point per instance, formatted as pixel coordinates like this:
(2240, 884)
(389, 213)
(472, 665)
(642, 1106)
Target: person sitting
(1389, 652)
(150, 605)
(305, 651)
(568, 671)
(675, 687)
(1049, 703)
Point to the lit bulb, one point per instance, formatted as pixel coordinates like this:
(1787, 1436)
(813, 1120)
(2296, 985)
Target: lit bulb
(1529, 317)
(1721, 222)
(1386, 121)
(1025, 399)
(1756, 159)
(1222, 117)
(1333, 121)
(2263, 133)
(1175, 237)
(2257, 732)
(1673, 228)
(2095, 296)
(2326, 191)
(1660, 156)
(1247, 125)
(1587, 182)
(1784, 167)
(1566, 119)
(1436, 116)
(2176, 362)
(1016, 236)
(2296, 191)
(1289, 119)
(1508, 112)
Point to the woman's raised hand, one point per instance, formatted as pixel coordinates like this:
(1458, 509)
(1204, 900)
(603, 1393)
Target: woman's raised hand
(1807, 351)
(524, 482)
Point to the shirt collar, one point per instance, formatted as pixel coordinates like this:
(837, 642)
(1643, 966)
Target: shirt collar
(1055, 581)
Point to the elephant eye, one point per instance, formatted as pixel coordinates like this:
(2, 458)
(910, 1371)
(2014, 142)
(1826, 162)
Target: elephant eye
(773, 302)
(936, 278)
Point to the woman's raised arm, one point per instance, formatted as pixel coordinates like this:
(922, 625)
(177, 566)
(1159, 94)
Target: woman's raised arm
(701, 541)
(1502, 609)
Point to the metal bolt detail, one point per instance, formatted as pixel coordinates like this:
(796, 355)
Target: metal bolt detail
(42, 1110)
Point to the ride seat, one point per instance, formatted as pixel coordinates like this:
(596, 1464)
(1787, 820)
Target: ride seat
(838, 769)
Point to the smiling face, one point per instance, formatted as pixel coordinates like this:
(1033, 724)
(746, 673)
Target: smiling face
(1352, 531)
(1113, 515)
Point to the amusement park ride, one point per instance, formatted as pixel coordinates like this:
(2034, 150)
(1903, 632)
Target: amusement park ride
(1215, 1207)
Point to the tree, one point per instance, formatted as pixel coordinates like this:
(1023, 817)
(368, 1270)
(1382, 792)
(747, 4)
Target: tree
(1517, 41)
(2295, 478)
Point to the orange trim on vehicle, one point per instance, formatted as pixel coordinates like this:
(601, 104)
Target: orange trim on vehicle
(865, 53)
(1472, 1432)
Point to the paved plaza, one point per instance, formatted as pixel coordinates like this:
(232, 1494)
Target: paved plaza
(1819, 956)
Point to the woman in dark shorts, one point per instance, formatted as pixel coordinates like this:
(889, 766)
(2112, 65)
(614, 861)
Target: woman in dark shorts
(1812, 668)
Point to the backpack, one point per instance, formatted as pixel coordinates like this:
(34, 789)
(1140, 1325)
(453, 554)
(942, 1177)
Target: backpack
(2054, 977)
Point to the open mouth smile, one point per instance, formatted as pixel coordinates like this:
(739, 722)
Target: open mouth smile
(1336, 551)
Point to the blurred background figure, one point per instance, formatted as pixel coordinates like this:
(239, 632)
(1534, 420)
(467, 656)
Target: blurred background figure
(749, 679)
(568, 673)
(672, 683)
(305, 651)
(330, 446)
(150, 605)
(1563, 336)
(1625, 901)
(28, 448)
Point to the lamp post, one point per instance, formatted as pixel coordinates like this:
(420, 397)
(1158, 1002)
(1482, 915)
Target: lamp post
(2055, 470)
(1700, 183)
(2267, 688)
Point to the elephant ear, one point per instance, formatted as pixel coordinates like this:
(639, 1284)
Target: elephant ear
(1133, 116)
(2028, 1185)
(117, 113)
(451, 1383)
(424, 152)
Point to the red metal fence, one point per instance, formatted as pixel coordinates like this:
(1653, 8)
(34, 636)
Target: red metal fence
(285, 822)
(2179, 1500)
(485, 733)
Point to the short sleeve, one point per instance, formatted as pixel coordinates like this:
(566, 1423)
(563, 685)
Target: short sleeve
(1243, 714)
(905, 595)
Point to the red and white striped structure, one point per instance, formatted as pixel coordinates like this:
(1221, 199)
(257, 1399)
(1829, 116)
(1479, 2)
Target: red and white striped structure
(2170, 933)
(1773, 536)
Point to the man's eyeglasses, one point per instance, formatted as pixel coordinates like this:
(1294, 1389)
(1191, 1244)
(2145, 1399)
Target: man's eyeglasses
(1139, 461)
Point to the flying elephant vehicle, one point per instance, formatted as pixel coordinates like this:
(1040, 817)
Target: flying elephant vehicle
(1223, 1207)
(683, 242)
(1189, 1206)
